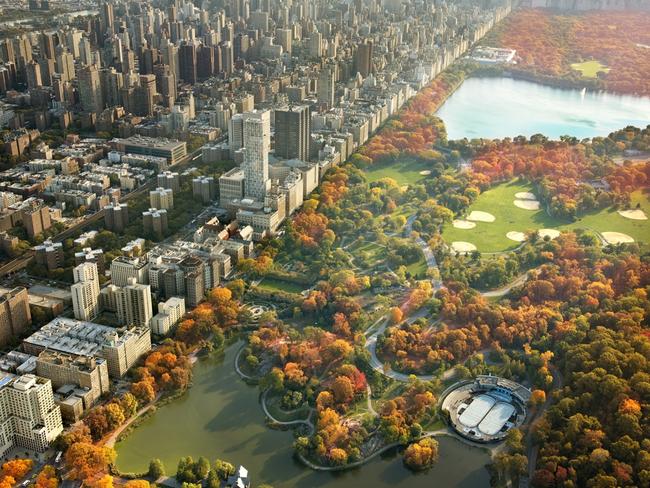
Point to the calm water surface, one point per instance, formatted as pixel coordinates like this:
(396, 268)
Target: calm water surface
(503, 107)
(220, 417)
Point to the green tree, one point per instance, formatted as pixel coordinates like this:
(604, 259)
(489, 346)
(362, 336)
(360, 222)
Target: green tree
(156, 469)
(223, 469)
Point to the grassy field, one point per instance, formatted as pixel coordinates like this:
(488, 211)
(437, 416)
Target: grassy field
(491, 237)
(608, 220)
(372, 252)
(590, 69)
(404, 172)
(418, 268)
(279, 285)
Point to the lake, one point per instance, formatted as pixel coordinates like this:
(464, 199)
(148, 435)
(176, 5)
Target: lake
(504, 107)
(220, 417)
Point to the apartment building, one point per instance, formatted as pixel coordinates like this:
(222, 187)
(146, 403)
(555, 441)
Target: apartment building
(29, 416)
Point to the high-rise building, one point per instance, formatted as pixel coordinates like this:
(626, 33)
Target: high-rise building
(227, 57)
(112, 82)
(90, 89)
(327, 85)
(162, 198)
(363, 58)
(187, 58)
(123, 268)
(236, 133)
(65, 64)
(85, 291)
(169, 179)
(47, 42)
(106, 19)
(144, 96)
(293, 132)
(15, 316)
(257, 142)
(34, 78)
(116, 216)
(205, 65)
(204, 188)
(50, 254)
(194, 278)
(315, 45)
(36, 219)
(90, 255)
(284, 37)
(47, 70)
(134, 304)
(29, 418)
(154, 221)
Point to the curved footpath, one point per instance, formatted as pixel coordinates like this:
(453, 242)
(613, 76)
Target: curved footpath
(306, 422)
(381, 450)
(238, 370)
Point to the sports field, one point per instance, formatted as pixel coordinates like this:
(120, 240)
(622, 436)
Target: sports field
(510, 219)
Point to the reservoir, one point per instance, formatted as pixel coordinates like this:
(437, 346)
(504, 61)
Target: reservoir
(504, 107)
(220, 417)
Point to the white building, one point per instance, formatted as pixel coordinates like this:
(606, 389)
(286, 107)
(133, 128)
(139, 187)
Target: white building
(123, 268)
(257, 143)
(169, 313)
(29, 417)
(85, 291)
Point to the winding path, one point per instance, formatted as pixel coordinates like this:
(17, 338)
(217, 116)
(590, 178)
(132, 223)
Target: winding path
(427, 251)
(306, 422)
(504, 290)
(532, 450)
(238, 369)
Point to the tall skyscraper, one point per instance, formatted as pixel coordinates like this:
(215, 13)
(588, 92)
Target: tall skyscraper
(257, 142)
(327, 85)
(65, 64)
(34, 78)
(107, 19)
(227, 57)
(47, 42)
(90, 89)
(187, 58)
(284, 37)
(85, 291)
(363, 58)
(293, 132)
(144, 96)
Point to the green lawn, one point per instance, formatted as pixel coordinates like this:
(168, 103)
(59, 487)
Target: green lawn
(418, 268)
(281, 285)
(590, 69)
(404, 172)
(491, 237)
(608, 220)
(371, 251)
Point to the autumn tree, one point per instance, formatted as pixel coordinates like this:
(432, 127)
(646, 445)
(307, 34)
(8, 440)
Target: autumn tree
(422, 454)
